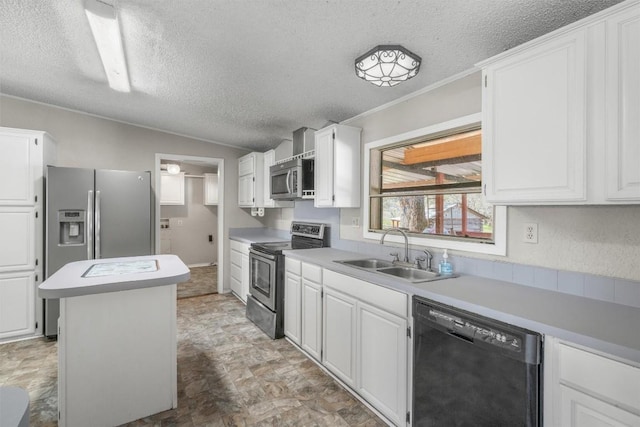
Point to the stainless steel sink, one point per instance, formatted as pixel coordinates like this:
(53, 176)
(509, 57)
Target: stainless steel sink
(369, 263)
(411, 274)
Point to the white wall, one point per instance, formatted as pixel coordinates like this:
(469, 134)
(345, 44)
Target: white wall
(192, 223)
(93, 142)
(595, 239)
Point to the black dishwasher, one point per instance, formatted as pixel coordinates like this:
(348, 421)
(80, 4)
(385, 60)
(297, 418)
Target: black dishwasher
(469, 370)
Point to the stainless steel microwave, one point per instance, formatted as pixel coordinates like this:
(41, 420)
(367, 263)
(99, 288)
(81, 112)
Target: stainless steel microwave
(292, 180)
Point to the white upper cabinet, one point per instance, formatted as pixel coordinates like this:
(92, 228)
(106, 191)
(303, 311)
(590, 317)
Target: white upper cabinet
(561, 115)
(623, 106)
(19, 152)
(534, 112)
(250, 176)
(210, 188)
(171, 188)
(337, 167)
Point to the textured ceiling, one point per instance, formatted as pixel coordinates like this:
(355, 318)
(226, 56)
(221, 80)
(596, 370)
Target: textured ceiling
(249, 72)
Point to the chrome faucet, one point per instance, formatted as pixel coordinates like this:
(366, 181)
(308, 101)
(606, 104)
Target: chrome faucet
(406, 241)
(427, 259)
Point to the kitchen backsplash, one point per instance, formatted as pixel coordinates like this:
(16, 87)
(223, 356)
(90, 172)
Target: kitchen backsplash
(601, 288)
(592, 286)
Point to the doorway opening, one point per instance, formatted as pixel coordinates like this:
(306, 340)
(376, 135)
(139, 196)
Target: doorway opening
(189, 218)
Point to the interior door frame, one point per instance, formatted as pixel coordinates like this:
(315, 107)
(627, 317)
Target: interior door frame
(209, 161)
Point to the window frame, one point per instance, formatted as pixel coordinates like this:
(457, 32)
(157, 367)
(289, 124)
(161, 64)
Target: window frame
(499, 245)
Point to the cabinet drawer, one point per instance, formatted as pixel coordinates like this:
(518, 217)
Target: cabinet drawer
(600, 375)
(292, 266)
(238, 246)
(312, 272)
(236, 272)
(236, 258)
(379, 296)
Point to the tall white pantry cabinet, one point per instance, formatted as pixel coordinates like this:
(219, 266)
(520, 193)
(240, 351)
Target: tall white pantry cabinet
(25, 154)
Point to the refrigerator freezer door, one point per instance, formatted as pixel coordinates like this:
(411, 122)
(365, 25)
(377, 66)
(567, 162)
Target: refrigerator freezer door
(123, 206)
(69, 206)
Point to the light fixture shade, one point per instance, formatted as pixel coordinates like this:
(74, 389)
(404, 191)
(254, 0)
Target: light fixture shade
(173, 169)
(106, 32)
(387, 65)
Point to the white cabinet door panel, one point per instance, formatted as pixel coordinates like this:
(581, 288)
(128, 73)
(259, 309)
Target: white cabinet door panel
(171, 189)
(324, 163)
(245, 275)
(623, 106)
(534, 120)
(382, 361)
(210, 188)
(17, 231)
(292, 306)
(339, 343)
(16, 168)
(312, 318)
(581, 410)
(17, 304)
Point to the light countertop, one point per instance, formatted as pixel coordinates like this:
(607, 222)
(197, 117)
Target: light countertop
(604, 326)
(96, 276)
(259, 235)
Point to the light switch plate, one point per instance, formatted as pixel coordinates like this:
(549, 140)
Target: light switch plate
(530, 232)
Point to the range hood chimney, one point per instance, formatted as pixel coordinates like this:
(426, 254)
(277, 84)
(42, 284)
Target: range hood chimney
(303, 140)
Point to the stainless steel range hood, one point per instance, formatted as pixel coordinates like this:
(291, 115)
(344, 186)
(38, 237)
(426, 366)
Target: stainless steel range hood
(303, 140)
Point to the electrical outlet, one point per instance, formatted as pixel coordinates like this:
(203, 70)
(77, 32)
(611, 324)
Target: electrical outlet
(530, 232)
(355, 221)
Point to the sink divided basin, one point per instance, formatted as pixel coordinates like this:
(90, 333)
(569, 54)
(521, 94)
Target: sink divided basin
(413, 275)
(368, 263)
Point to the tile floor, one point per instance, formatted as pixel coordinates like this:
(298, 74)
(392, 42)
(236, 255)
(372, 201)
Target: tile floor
(203, 281)
(229, 374)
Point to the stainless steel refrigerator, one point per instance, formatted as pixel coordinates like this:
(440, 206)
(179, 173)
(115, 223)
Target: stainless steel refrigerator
(93, 214)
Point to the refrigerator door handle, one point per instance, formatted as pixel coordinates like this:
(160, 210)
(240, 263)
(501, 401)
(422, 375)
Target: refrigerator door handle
(89, 222)
(98, 224)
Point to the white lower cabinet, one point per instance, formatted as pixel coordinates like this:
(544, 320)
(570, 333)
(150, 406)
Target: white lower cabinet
(311, 340)
(382, 360)
(339, 347)
(239, 264)
(366, 342)
(303, 306)
(582, 410)
(17, 308)
(585, 389)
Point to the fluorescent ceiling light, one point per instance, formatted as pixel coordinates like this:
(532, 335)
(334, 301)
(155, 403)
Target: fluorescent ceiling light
(106, 32)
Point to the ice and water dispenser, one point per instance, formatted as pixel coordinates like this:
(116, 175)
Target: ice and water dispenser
(72, 227)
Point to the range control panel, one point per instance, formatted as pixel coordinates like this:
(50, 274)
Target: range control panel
(308, 229)
(474, 331)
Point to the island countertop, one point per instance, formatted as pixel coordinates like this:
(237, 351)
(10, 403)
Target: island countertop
(96, 276)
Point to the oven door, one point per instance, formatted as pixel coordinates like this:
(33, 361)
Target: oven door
(262, 277)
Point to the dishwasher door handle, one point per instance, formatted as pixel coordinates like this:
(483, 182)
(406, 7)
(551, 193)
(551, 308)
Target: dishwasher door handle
(460, 336)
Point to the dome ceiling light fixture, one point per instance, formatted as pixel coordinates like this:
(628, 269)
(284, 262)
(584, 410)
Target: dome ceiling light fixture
(387, 65)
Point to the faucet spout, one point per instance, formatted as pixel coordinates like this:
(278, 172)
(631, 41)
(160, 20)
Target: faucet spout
(406, 241)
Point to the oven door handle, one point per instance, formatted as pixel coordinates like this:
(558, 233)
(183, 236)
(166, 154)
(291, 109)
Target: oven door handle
(262, 255)
(288, 185)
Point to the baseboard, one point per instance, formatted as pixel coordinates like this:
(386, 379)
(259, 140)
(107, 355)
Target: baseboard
(202, 264)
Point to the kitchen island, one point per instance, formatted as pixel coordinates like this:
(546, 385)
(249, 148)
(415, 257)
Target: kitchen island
(117, 355)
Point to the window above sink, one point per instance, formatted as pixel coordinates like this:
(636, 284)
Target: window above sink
(428, 182)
